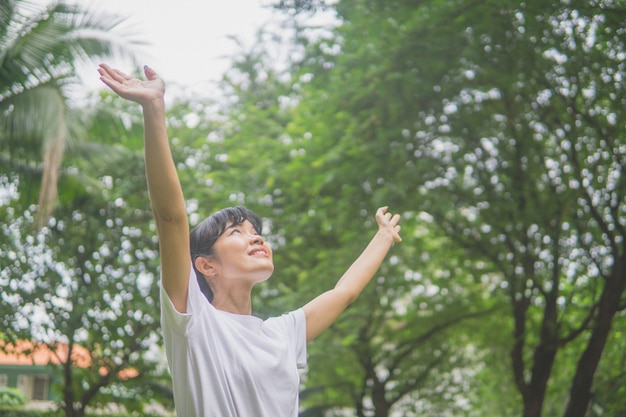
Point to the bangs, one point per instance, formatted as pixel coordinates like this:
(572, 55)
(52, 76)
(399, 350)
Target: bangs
(234, 216)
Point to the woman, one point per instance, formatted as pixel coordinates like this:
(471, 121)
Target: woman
(224, 361)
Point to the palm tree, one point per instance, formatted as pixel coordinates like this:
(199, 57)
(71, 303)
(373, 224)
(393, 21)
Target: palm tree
(39, 49)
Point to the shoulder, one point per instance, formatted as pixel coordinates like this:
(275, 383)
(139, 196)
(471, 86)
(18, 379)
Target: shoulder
(197, 306)
(292, 324)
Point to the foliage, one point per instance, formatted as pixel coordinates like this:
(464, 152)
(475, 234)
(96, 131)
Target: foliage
(495, 128)
(11, 397)
(12, 412)
(88, 279)
(39, 50)
(278, 154)
(501, 120)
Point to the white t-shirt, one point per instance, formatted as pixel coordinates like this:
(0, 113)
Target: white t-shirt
(230, 365)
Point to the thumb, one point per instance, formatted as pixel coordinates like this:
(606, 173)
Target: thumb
(150, 73)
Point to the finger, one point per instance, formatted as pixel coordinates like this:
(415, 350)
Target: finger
(112, 83)
(105, 78)
(106, 70)
(150, 73)
(396, 234)
(107, 81)
(113, 74)
(115, 86)
(122, 75)
(395, 219)
(102, 70)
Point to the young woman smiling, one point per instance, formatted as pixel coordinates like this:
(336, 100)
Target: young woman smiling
(224, 361)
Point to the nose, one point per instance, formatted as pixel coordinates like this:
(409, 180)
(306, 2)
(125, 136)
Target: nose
(257, 240)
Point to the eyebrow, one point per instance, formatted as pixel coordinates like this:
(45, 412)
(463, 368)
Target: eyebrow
(232, 225)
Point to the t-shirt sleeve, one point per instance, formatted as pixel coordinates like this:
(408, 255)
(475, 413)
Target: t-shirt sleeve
(296, 324)
(172, 318)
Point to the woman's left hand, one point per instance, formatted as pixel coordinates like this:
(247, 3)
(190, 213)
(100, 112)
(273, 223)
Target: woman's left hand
(388, 223)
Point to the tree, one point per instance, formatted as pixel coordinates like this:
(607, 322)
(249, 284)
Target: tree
(39, 50)
(502, 120)
(88, 279)
(532, 183)
(279, 154)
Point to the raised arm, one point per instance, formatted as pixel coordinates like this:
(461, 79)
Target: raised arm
(322, 311)
(166, 195)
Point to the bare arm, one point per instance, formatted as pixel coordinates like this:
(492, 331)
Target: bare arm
(166, 195)
(322, 311)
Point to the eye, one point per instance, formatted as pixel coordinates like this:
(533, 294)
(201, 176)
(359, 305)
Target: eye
(233, 231)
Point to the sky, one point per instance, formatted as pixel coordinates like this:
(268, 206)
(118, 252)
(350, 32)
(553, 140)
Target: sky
(188, 39)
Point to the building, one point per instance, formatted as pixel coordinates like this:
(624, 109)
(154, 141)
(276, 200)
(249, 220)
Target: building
(29, 367)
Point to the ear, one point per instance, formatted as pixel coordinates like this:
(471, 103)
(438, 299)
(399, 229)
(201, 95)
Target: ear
(205, 266)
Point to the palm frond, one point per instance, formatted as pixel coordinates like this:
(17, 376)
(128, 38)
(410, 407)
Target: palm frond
(46, 45)
(54, 147)
(28, 117)
(28, 49)
(96, 34)
(39, 52)
(7, 9)
(33, 125)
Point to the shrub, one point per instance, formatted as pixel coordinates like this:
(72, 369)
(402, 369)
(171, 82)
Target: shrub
(18, 412)
(11, 397)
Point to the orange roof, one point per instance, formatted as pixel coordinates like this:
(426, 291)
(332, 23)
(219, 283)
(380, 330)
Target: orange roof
(29, 353)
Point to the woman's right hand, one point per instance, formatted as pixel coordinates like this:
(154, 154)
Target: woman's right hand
(133, 89)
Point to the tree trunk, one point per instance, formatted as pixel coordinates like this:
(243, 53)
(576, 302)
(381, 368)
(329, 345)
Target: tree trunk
(535, 393)
(381, 405)
(580, 392)
(68, 393)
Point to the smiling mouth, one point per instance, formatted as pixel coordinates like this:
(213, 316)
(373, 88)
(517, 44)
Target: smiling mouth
(258, 252)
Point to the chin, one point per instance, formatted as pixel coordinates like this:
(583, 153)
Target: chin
(269, 273)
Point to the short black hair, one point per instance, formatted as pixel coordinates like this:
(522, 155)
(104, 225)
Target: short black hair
(204, 235)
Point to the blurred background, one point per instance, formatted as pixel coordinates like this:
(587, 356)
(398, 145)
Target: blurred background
(495, 128)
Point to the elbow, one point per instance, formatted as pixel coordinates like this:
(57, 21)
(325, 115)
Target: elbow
(168, 215)
(347, 295)
(351, 298)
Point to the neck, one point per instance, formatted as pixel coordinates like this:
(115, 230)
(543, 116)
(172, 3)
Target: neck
(233, 303)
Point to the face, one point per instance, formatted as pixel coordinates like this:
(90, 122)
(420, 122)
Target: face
(242, 254)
